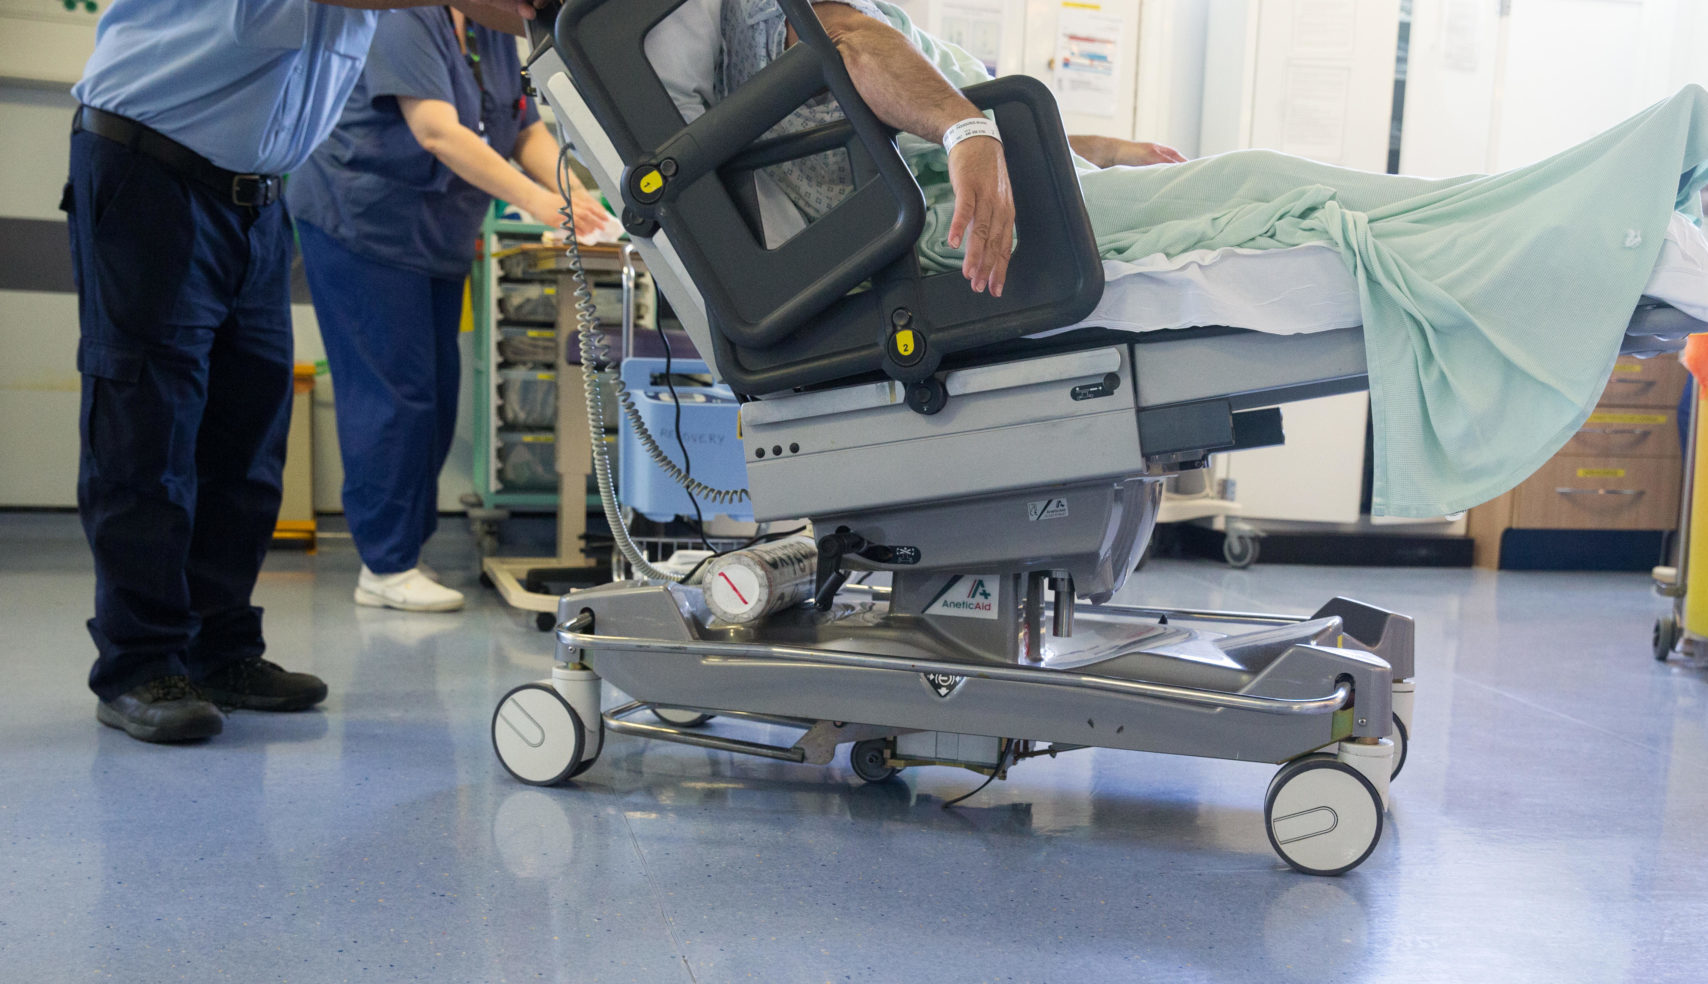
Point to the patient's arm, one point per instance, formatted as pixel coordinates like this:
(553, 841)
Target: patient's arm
(908, 92)
(1113, 151)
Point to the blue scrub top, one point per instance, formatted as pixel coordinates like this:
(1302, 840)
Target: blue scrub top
(372, 187)
(252, 85)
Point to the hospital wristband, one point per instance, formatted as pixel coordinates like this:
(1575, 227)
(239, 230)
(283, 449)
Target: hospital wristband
(976, 126)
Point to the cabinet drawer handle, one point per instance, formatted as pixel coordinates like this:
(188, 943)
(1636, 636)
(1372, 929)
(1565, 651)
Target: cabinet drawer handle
(1635, 382)
(1618, 431)
(1600, 491)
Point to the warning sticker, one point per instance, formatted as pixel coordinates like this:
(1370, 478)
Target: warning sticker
(967, 596)
(1046, 509)
(1601, 473)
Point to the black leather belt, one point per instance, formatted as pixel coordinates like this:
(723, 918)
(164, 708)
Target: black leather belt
(251, 190)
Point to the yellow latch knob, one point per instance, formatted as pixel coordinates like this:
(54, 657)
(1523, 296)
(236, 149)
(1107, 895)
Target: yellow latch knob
(907, 347)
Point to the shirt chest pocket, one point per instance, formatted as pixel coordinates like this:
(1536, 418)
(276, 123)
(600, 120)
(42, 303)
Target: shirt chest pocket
(270, 24)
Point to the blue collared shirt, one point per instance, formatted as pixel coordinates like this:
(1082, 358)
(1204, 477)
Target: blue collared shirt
(252, 85)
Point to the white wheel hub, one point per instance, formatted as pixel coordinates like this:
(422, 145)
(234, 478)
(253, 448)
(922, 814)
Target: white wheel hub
(538, 737)
(1323, 816)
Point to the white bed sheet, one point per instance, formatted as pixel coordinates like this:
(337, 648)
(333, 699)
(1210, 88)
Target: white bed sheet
(1306, 289)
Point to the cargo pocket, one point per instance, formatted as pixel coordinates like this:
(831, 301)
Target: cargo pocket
(125, 440)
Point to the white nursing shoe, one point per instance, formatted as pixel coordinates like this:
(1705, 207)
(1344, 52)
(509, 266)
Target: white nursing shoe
(407, 591)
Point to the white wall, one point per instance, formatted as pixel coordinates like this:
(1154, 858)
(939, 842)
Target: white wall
(38, 328)
(1489, 93)
(42, 52)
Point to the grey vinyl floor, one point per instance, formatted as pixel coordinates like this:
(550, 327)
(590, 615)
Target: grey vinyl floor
(1548, 827)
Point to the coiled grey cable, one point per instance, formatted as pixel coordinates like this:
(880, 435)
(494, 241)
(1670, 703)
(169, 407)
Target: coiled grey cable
(594, 352)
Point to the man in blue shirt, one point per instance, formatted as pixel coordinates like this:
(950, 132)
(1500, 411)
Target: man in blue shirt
(190, 113)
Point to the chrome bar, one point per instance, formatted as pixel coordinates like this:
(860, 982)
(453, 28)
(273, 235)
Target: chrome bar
(1195, 615)
(1563, 491)
(614, 722)
(735, 652)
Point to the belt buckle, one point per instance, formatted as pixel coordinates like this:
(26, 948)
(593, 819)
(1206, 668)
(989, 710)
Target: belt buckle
(262, 188)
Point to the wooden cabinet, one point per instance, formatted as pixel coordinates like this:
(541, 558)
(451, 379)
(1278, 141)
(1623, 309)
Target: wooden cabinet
(1621, 471)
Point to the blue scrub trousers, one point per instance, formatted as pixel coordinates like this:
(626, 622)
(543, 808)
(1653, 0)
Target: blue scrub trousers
(185, 355)
(391, 344)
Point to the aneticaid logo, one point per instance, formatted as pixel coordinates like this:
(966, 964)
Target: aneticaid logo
(967, 596)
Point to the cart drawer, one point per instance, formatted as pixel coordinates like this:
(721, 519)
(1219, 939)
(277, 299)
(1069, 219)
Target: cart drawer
(1627, 432)
(1589, 493)
(1656, 382)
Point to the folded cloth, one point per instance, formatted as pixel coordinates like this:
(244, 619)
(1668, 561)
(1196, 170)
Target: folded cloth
(1493, 305)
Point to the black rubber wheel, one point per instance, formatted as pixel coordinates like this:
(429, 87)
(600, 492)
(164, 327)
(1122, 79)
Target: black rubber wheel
(486, 581)
(1239, 551)
(537, 735)
(1365, 800)
(545, 621)
(1402, 742)
(1665, 637)
(870, 759)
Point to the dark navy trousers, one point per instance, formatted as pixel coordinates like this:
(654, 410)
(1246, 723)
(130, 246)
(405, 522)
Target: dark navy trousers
(391, 344)
(185, 356)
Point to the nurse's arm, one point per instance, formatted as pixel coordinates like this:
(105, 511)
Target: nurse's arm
(537, 152)
(502, 15)
(436, 128)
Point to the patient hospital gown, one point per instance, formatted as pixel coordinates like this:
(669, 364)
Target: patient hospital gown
(1493, 305)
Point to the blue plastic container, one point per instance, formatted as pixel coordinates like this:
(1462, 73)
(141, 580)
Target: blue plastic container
(709, 429)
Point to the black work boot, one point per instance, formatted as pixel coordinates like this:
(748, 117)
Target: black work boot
(163, 709)
(257, 685)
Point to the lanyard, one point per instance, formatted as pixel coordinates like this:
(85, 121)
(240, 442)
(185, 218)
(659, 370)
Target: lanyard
(471, 53)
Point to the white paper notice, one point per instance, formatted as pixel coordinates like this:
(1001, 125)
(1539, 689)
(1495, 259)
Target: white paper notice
(1088, 42)
(975, 25)
(1462, 49)
(1315, 125)
(1324, 29)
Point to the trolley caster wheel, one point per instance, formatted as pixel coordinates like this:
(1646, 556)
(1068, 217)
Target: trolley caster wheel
(678, 717)
(1239, 551)
(1402, 741)
(545, 621)
(1322, 816)
(870, 760)
(538, 737)
(1666, 637)
(486, 581)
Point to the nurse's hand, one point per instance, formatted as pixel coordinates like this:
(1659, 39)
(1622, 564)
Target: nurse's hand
(589, 213)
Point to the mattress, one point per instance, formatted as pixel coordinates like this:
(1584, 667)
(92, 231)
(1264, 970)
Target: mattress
(1306, 289)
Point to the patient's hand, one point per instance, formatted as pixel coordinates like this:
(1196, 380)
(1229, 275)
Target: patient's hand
(1115, 152)
(984, 212)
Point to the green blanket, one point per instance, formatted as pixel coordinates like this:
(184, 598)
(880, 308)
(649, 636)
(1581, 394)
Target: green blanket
(1494, 305)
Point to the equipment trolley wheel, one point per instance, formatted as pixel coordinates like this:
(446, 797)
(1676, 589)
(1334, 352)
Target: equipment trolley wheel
(538, 737)
(1402, 741)
(1666, 637)
(1323, 817)
(679, 717)
(870, 760)
(1239, 550)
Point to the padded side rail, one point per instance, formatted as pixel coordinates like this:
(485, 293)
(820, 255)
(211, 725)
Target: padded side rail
(822, 306)
(752, 293)
(1055, 277)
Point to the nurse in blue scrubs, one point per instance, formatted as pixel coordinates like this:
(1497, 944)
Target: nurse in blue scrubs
(388, 212)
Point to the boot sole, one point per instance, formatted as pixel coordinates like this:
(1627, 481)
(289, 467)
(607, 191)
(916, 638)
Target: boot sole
(242, 702)
(372, 600)
(191, 731)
